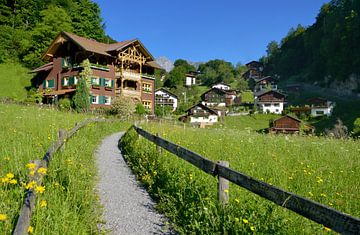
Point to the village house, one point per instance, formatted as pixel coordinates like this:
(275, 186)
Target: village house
(221, 86)
(123, 68)
(321, 107)
(190, 78)
(265, 84)
(254, 70)
(270, 102)
(164, 97)
(289, 125)
(200, 114)
(216, 97)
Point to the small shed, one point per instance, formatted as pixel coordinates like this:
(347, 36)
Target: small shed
(289, 125)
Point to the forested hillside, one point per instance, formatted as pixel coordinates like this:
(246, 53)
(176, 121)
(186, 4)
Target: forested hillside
(27, 27)
(327, 51)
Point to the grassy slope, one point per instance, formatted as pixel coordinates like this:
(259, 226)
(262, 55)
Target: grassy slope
(323, 170)
(247, 122)
(13, 80)
(26, 134)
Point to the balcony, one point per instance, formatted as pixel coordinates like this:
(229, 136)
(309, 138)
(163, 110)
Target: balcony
(131, 75)
(149, 76)
(133, 93)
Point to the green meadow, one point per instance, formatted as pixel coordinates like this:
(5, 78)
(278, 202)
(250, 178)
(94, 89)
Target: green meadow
(321, 169)
(69, 202)
(14, 78)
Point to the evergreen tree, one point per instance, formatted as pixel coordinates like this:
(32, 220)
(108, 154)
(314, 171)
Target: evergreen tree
(81, 98)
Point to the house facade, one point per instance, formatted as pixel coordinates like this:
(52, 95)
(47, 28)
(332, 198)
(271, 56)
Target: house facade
(190, 78)
(119, 69)
(164, 97)
(321, 107)
(200, 113)
(254, 70)
(270, 102)
(265, 83)
(216, 97)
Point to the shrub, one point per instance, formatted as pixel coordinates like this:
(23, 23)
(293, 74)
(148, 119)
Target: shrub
(140, 109)
(356, 129)
(162, 110)
(65, 104)
(339, 131)
(34, 96)
(123, 107)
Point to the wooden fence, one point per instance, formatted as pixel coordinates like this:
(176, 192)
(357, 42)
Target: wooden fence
(331, 218)
(28, 207)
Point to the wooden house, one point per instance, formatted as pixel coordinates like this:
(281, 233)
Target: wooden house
(288, 125)
(265, 83)
(200, 113)
(164, 97)
(123, 68)
(321, 107)
(254, 70)
(216, 97)
(270, 102)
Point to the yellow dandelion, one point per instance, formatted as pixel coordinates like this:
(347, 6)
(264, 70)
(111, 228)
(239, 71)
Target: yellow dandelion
(330, 204)
(7, 158)
(237, 200)
(43, 203)
(31, 166)
(42, 171)
(190, 176)
(291, 178)
(30, 185)
(327, 229)
(30, 229)
(237, 220)
(3, 217)
(311, 194)
(10, 175)
(245, 221)
(323, 195)
(252, 228)
(226, 191)
(13, 181)
(40, 189)
(4, 180)
(32, 173)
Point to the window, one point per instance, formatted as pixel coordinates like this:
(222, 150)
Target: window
(65, 81)
(95, 99)
(146, 87)
(319, 112)
(107, 82)
(276, 104)
(95, 81)
(147, 104)
(76, 80)
(66, 62)
(107, 100)
(267, 105)
(50, 83)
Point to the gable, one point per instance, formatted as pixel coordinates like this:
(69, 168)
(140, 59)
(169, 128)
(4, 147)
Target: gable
(271, 96)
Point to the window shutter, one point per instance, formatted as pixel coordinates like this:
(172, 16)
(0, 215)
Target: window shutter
(112, 83)
(91, 98)
(51, 83)
(62, 62)
(44, 84)
(102, 82)
(71, 81)
(62, 82)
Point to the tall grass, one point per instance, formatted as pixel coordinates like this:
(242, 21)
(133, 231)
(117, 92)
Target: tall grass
(324, 170)
(27, 132)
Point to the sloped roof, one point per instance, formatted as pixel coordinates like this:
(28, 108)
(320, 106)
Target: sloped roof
(289, 116)
(166, 91)
(203, 107)
(265, 92)
(95, 46)
(43, 68)
(264, 78)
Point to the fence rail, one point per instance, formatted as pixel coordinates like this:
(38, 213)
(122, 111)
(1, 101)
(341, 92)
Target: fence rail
(329, 217)
(28, 207)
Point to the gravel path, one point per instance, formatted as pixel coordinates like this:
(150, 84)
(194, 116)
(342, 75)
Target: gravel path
(128, 209)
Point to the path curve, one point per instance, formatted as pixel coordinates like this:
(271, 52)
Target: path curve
(128, 209)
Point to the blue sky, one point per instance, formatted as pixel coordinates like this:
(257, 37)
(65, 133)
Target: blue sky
(200, 30)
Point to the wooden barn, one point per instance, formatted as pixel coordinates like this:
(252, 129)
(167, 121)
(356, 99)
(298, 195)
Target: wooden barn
(289, 125)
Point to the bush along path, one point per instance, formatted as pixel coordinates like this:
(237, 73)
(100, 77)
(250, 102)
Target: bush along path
(128, 209)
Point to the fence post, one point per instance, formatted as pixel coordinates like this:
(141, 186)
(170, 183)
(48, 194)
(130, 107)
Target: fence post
(158, 148)
(62, 135)
(223, 186)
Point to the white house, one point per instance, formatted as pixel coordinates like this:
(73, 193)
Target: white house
(321, 107)
(221, 86)
(270, 102)
(190, 79)
(166, 98)
(199, 113)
